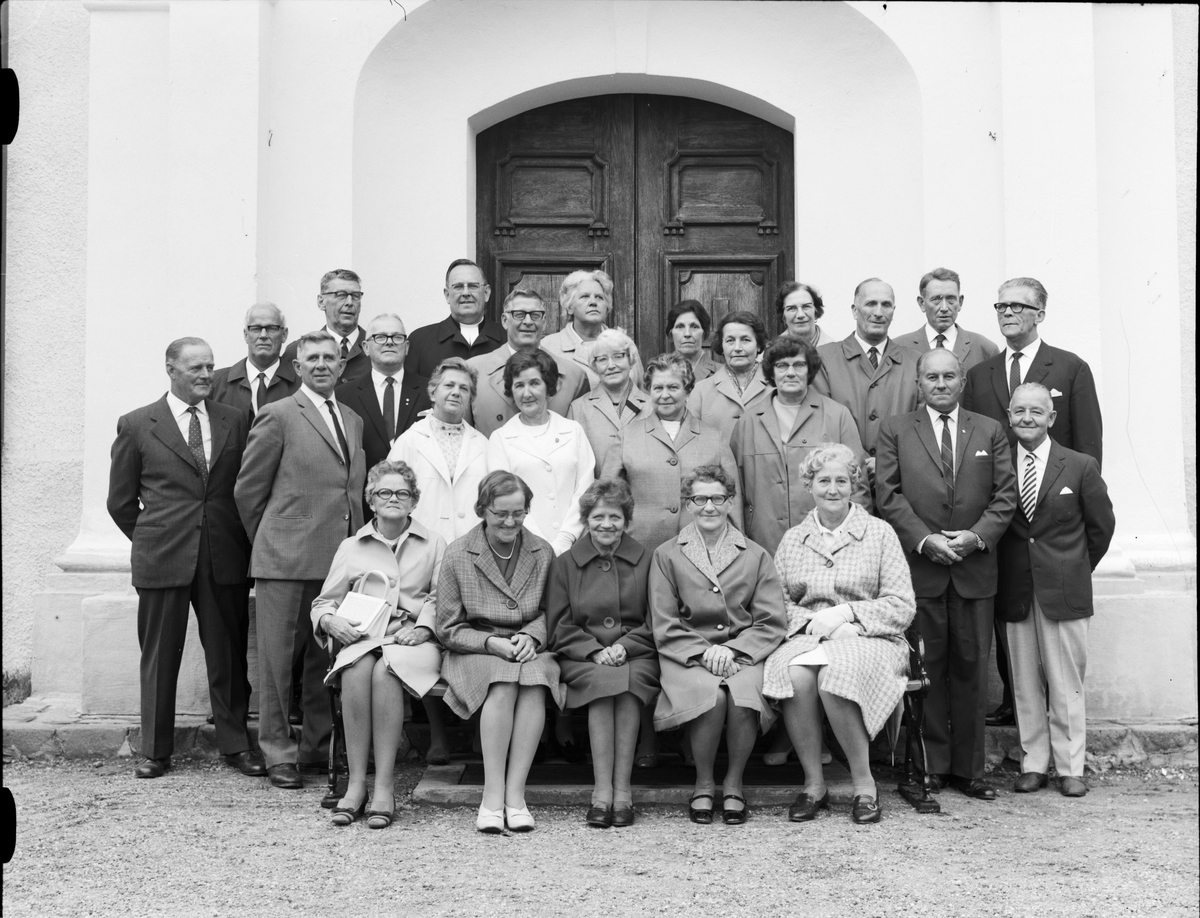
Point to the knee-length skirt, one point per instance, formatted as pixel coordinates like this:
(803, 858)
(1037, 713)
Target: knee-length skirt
(469, 676)
(689, 691)
(587, 681)
(870, 671)
(417, 666)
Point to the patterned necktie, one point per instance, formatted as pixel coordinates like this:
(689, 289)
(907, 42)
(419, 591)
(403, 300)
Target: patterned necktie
(196, 445)
(940, 340)
(389, 408)
(947, 453)
(1029, 487)
(345, 348)
(260, 395)
(1014, 373)
(337, 426)
(873, 355)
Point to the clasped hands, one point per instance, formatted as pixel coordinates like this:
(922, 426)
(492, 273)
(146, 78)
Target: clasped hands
(833, 623)
(718, 660)
(520, 648)
(949, 546)
(345, 632)
(610, 656)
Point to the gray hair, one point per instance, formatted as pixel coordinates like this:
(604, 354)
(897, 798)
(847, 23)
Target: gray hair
(613, 339)
(822, 455)
(265, 304)
(453, 363)
(175, 348)
(315, 337)
(940, 274)
(566, 294)
(873, 280)
(943, 350)
(385, 315)
(1036, 387)
(339, 274)
(1039, 292)
(392, 467)
(670, 363)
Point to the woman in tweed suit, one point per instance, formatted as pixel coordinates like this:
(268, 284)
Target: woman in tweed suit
(849, 601)
(491, 618)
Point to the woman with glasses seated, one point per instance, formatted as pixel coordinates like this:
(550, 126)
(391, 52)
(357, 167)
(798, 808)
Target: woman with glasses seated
(612, 404)
(491, 618)
(374, 672)
(716, 606)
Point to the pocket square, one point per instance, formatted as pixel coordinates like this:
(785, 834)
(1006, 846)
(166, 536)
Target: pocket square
(1066, 490)
(980, 452)
(1054, 393)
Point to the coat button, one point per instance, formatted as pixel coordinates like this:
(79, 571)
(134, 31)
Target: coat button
(610, 622)
(672, 509)
(829, 564)
(672, 461)
(606, 566)
(720, 627)
(716, 589)
(512, 604)
(461, 514)
(873, 416)
(871, 451)
(499, 417)
(345, 516)
(1031, 541)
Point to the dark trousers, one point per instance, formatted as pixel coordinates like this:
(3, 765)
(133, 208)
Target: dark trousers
(958, 639)
(222, 612)
(1003, 665)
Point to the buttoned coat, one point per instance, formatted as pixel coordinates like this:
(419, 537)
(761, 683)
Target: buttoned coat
(597, 415)
(594, 602)
(158, 499)
(295, 495)
(970, 348)
(491, 408)
(447, 501)
(429, 345)
(558, 466)
(1053, 556)
(570, 344)
(359, 396)
(357, 363)
(654, 465)
(1078, 426)
(475, 602)
(715, 401)
(871, 395)
(911, 493)
(773, 493)
(231, 385)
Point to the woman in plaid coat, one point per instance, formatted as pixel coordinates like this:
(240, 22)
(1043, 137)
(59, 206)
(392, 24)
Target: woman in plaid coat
(491, 619)
(849, 600)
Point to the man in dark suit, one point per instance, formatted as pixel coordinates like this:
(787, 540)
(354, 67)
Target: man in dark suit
(170, 490)
(1026, 358)
(299, 494)
(388, 399)
(466, 332)
(946, 485)
(340, 300)
(940, 299)
(1061, 530)
(260, 377)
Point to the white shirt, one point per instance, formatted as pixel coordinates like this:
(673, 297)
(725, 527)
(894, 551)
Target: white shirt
(252, 374)
(1026, 361)
(183, 417)
(470, 332)
(319, 402)
(1041, 456)
(950, 334)
(381, 387)
(935, 417)
(351, 339)
(866, 346)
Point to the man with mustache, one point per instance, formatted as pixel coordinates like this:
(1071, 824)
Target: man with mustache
(466, 332)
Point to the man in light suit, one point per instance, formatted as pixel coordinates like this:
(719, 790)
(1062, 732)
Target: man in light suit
(170, 490)
(466, 332)
(867, 372)
(299, 494)
(946, 485)
(260, 377)
(1058, 535)
(940, 298)
(340, 300)
(524, 321)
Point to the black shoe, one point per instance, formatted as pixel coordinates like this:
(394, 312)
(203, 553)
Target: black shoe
(623, 816)
(976, 787)
(734, 817)
(1029, 781)
(806, 806)
(697, 815)
(1001, 717)
(248, 763)
(153, 768)
(599, 817)
(296, 718)
(285, 777)
(865, 810)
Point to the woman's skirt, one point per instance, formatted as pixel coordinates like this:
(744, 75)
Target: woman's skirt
(469, 676)
(587, 681)
(417, 666)
(689, 691)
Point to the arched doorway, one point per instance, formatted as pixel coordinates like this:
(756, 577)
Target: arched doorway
(675, 198)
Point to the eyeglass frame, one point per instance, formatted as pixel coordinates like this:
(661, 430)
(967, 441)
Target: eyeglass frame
(603, 360)
(398, 338)
(344, 295)
(1017, 308)
(516, 516)
(257, 330)
(388, 494)
(519, 315)
(472, 287)
(699, 500)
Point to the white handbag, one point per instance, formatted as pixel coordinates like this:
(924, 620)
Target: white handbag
(369, 614)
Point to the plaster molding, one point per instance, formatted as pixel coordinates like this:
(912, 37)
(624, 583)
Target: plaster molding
(127, 6)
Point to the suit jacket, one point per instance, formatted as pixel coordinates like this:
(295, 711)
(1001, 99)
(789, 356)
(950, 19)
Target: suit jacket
(1053, 556)
(911, 494)
(871, 395)
(429, 345)
(597, 415)
(715, 400)
(296, 496)
(158, 499)
(1069, 379)
(492, 408)
(357, 362)
(970, 348)
(412, 397)
(231, 385)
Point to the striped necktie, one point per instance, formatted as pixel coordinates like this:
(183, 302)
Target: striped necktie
(873, 356)
(947, 454)
(1029, 487)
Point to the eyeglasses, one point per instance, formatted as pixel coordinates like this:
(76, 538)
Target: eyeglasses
(603, 361)
(269, 329)
(388, 339)
(698, 501)
(388, 494)
(515, 515)
(1017, 308)
(799, 367)
(464, 288)
(950, 300)
(520, 315)
(343, 295)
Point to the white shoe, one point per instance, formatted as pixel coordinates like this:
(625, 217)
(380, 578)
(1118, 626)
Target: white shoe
(490, 821)
(518, 819)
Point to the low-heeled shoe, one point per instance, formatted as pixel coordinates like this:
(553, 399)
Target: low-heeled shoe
(345, 815)
(518, 819)
(153, 768)
(865, 810)
(248, 763)
(1029, 781)
(490, 821)
(599, 817)
(734, 817)
(623, 816)
(697, 815)
(976, 787)
(1072, 787)
(285, 776)
(806, 806)
(380, 819)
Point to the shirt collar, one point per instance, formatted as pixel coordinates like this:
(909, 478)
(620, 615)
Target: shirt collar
(866, 347)
(252, 371)
(179, 407)
(951, 334)
(1041, 454)
(316, 399)
(1027, 353)
(935, 416)
(380, 377)
(351, 339)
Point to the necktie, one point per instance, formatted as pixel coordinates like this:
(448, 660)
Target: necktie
(873, 354)
(196, 445)
(1029, 487)
(1014, 374)
(337, 426)
(389, 408)
(947, 452)
(260, 395)
(345, 348)
(941, 340)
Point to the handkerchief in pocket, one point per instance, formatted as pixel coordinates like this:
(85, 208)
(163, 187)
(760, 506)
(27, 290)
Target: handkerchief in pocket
(1066, 490)
(980, 452)
(1054, 393)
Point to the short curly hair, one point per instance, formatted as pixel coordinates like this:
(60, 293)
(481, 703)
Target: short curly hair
(708, 473)
(534, 359)
(784, 347)
(612, 491)
(670, 362)
(392, 467)
(500, 484)
(459, 365)
(822, 455)
(791, 287)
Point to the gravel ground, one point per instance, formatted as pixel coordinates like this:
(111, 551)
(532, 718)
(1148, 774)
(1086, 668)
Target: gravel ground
(205, 841)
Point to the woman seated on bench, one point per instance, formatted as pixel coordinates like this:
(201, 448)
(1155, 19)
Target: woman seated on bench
(375, 671)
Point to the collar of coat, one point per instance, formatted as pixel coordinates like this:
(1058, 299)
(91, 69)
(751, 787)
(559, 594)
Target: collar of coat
(692, 546)
(854, 526)
(368, 531)
(530, 555)
(584, 552)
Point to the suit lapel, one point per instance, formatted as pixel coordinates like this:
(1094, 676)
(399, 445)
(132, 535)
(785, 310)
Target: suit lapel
(965, 429)
(409, 394)
(167, 431)
(366, 398)
(311, 414)
(1041, 365)
(472, 448)
(962, 346)
(427, 447)
(1055, 463)
(926, 435)
(486, 563)
(220, 433)
(689, 430)
(660, 434)
(1000, 384)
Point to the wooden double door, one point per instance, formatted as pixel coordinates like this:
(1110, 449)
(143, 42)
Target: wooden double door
(674, 198)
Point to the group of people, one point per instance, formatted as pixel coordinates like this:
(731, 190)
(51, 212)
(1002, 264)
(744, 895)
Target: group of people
(707, 540)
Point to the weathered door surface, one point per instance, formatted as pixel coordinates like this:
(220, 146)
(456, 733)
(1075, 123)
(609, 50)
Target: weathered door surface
(675, 198)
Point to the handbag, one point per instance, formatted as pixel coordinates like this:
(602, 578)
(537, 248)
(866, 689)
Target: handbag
(369, 614)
